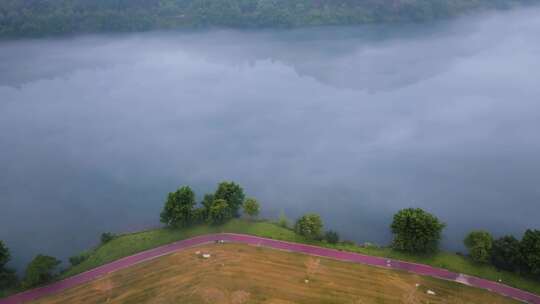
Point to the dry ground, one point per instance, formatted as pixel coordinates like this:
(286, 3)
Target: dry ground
(238, 274)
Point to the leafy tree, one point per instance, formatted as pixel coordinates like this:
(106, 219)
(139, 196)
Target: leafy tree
(309, 226)
(331, 237)
(479, 244)
(530, 249)
(251, 207)
(233, 194)
(107, 237)
(178, 209)
(8, 278)
(40, 270)
(416, 231)
(506, 254)
(220, 212)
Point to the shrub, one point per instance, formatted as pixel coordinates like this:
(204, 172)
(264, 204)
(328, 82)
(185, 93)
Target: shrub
(479, 244)
(107, 237)
(416, 231)
(283, 221)
(331, 237)
(77, 259)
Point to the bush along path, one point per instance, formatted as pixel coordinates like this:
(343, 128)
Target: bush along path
(276, 244)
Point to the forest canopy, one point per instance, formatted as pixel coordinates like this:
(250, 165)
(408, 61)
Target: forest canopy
(20, 18)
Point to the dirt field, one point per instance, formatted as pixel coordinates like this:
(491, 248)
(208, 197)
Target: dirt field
(237, 274)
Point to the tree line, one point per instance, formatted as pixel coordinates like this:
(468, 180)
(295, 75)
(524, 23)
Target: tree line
(19, 18)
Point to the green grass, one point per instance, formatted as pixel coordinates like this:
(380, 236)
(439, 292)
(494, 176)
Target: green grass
(128, 244)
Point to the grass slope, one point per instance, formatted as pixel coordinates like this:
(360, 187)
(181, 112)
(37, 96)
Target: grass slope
(239, 274)
(128, 244)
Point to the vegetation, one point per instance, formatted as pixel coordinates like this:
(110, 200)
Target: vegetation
(309, 226)
(233, 194)
(128, 244)
(106, 237)
(417, 234)
(19, 18)
(7, 276)
(331, 237)
(416, 231)
(251, 207)
(40, 270)
(283, 221)
(178, 209)
(479, 244)
(506, 253)
(238, 273)
(530, 249)
(219, 212)
(77, 259)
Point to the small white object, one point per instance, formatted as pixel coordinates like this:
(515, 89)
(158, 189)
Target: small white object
(500, 280)
(197, 252)
(431, 292)
(222, 241)
(417, 285)
(306, 281)
(206, 255)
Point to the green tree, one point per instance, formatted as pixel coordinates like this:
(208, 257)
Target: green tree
(331, 237)
(479, 244)
(530, 250)
(506, 254)
(233, 194)
(251, 207)
(40, 270)
(416, 231)
(309, 226)
(8, 278)
(178, 209)
(219, 212)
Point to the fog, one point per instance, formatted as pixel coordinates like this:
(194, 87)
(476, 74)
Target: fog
(354, 123)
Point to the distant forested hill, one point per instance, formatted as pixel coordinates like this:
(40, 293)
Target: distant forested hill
(19, 18)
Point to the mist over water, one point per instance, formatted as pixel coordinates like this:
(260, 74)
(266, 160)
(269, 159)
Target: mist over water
(354, 123)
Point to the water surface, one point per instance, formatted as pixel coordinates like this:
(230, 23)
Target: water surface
(354, 123)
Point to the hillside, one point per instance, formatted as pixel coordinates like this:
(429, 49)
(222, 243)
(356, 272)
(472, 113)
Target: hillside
(238, 274)
(20, 18)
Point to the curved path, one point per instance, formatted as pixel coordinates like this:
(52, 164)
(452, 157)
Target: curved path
(254, 240)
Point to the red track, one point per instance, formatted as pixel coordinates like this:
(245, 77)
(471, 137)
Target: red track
(295, 247)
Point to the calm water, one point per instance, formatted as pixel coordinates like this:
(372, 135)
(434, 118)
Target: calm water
(353, 123)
